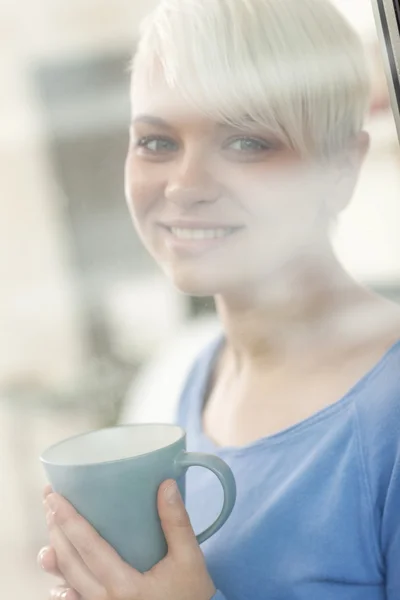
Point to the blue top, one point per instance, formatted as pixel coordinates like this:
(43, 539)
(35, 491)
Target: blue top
(317, 515)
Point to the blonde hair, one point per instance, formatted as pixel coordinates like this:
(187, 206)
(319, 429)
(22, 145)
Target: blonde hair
(295, 67)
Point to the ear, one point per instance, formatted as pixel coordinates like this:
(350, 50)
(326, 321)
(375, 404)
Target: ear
(347, 169)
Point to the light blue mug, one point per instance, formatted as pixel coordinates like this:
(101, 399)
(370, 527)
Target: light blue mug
(111, 476)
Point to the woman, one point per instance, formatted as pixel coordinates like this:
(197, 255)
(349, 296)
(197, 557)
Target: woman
(246, 143)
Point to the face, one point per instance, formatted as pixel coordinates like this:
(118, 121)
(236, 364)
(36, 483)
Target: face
(221, 209)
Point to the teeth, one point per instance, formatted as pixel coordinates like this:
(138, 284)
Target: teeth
(200, 234)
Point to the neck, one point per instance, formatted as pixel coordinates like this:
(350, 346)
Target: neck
(309, 308)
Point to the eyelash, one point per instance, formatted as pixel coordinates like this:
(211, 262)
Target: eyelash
(144, 141)
(263, 146)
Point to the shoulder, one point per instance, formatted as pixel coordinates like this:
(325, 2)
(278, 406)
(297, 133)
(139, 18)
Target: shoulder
(377, 409)
(378, 397)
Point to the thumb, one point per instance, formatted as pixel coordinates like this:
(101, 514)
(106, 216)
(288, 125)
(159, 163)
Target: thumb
(175, 521)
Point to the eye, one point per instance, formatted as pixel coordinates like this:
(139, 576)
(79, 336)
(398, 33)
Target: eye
(247, 144)
(157, 144)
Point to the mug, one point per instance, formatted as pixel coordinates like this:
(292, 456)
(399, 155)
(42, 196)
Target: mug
(111, 476)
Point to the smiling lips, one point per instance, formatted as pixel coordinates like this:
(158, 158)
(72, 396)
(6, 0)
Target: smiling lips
(197, 236)
(182, 233)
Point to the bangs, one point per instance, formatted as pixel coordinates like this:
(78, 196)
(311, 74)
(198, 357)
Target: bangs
(297, 72)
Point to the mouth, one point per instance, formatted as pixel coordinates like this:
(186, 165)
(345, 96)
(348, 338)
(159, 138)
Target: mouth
(196, 240)
(182, 233)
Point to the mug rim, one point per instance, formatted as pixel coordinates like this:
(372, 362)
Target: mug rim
(49, 449)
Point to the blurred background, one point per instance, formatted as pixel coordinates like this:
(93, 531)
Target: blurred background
(87, 322)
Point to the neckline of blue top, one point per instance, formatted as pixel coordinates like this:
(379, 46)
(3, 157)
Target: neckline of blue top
(206, 365)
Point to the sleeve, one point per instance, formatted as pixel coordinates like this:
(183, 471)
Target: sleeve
(380, 433)
(391, 532)
(218, 596)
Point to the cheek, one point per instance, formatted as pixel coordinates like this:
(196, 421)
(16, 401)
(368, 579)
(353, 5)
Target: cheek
(265, 199)
(283, 198)
(142, 190)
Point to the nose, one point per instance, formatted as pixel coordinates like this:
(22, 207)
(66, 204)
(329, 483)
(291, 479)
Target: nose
(192, 183)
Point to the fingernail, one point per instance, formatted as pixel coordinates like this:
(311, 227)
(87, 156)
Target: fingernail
(64, 595)
(41, 556)
(172, 493)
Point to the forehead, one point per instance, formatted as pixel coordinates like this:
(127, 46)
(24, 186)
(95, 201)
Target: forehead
(158, 99)
(159, 105)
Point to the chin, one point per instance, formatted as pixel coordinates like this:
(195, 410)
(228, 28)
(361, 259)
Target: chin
(194, 283)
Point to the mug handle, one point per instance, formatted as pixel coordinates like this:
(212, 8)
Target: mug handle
(224, 474)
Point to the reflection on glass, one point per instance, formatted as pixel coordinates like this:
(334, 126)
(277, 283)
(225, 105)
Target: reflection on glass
(263, 180)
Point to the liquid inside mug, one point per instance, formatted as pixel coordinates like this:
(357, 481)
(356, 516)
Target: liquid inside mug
(111, 476)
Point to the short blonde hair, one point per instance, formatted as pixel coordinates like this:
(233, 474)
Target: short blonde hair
(296, 67)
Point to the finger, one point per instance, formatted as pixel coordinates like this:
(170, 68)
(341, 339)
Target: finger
(63, 593)
(175, 522)
(72, 568)
(47, 560)
(101, 560)
(47, 490)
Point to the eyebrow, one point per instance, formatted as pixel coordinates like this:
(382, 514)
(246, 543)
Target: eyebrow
(159, 122)
(151, 120)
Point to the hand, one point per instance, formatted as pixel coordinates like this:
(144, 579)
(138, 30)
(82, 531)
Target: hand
(93, 570)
